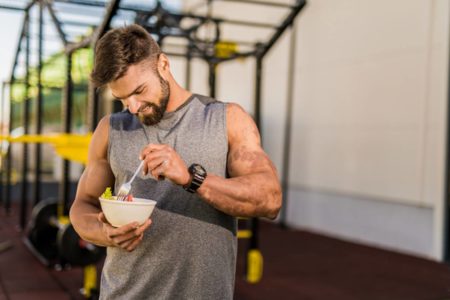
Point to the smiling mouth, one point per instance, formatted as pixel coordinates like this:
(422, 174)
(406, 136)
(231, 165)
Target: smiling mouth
(145, 109)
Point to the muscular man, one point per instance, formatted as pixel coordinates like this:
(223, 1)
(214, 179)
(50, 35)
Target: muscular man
(204, 166)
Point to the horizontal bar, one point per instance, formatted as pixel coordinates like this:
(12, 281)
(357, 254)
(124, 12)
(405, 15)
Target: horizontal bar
(79, 23)
(83, 2)
(285, 24)
(71, 47)
(138, 9)
(252, 24)
(260, 3)
(12, 7)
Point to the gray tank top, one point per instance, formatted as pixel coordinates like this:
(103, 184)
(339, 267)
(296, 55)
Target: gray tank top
(189, 251)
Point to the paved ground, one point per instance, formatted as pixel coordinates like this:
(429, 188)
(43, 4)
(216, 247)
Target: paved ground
(297, 265)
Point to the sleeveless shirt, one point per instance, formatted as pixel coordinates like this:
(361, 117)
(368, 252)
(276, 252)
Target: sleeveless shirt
(189, 250)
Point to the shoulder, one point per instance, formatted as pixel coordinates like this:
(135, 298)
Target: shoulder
(99, 141)
(103, 126)
(234, 110)
(240, 125)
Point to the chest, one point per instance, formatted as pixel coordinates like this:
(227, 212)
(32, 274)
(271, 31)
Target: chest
(194, 143)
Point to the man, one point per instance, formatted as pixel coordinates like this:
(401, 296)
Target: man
(203, 165)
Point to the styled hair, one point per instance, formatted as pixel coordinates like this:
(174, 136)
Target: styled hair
(120, 48)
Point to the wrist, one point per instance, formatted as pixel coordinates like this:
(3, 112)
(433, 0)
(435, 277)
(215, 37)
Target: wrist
(187, 181)
(197, 176)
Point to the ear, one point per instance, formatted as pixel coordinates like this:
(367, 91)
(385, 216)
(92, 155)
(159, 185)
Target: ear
(163, 63)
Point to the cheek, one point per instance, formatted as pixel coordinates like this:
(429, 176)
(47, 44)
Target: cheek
(152, 96)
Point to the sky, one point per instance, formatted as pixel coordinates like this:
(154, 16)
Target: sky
(10, 26)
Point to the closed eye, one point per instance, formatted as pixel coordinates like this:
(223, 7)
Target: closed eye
(140, 91)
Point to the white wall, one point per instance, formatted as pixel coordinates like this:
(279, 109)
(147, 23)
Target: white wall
(370, 122)
(368, 141)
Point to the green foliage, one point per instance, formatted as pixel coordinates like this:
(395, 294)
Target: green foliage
(53, 78)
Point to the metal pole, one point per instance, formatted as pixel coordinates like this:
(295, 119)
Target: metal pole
(288, 127)
(2, 6)
(261, 3)
(93, 99)
(39, 111)
(258, 87)
(64, 188)
(9, 153)
(7, 190)
(446, 229)
(254, 222)
(26, 123)
(2, 132)
(56, 22)
(212, 77)
(286, 23)
(188, 69)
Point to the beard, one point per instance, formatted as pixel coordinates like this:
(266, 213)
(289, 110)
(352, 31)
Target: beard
(157, 113)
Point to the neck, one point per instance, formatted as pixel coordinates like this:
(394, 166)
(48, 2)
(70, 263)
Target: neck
(178, 96)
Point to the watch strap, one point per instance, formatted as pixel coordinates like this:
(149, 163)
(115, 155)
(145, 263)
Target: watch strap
(197, 178)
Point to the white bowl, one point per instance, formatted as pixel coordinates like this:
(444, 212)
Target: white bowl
(119, 213)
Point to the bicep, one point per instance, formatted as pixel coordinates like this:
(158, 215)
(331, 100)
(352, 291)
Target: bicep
(245, 155)
(97, 174)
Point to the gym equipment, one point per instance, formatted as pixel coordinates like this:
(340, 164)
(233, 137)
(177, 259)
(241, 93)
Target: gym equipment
(72, 147)
(158, 21)
(255, 261)
(54, 240)
(5, 245)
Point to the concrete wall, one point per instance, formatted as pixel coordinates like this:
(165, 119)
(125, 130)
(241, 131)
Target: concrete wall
(370, 122)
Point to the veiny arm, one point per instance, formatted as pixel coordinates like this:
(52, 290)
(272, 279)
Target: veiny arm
(85, 213)
(253, 189)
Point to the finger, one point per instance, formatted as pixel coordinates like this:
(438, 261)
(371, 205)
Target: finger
(120, 239)
(128, 238)
(102, 218)
(123, 230)
(125, 244)
(143, 227)
(157, 162)
(124, 241)
(134, 243)
(151, 148)
(158, 172)
(153, 159)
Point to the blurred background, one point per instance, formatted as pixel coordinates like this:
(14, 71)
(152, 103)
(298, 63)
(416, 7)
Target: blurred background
(351, 99)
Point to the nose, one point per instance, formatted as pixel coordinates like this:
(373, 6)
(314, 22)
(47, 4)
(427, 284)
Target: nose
(133, 105)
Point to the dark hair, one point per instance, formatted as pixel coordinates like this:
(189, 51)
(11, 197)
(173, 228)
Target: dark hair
(120, 48)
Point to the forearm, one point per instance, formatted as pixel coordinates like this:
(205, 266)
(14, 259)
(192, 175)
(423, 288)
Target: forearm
(84, 218)
(255, 195)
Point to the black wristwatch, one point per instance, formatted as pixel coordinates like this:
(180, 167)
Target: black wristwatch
(198, 174)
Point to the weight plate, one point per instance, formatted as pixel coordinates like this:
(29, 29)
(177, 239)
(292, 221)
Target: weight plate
(75, 250)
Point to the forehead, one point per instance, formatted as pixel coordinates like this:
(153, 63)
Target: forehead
(134, 76)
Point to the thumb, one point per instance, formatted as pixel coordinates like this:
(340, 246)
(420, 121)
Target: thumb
(101, 217)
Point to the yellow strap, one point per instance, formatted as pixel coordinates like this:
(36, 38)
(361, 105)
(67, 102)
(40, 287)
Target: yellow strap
(225, 49)
(90, 280)
(72, 147)
(254, 266)
(244, 234)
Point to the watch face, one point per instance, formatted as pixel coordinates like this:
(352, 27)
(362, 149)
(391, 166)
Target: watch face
(198, 169)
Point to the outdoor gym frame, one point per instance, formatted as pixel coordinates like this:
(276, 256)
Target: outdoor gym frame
(166, 25)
